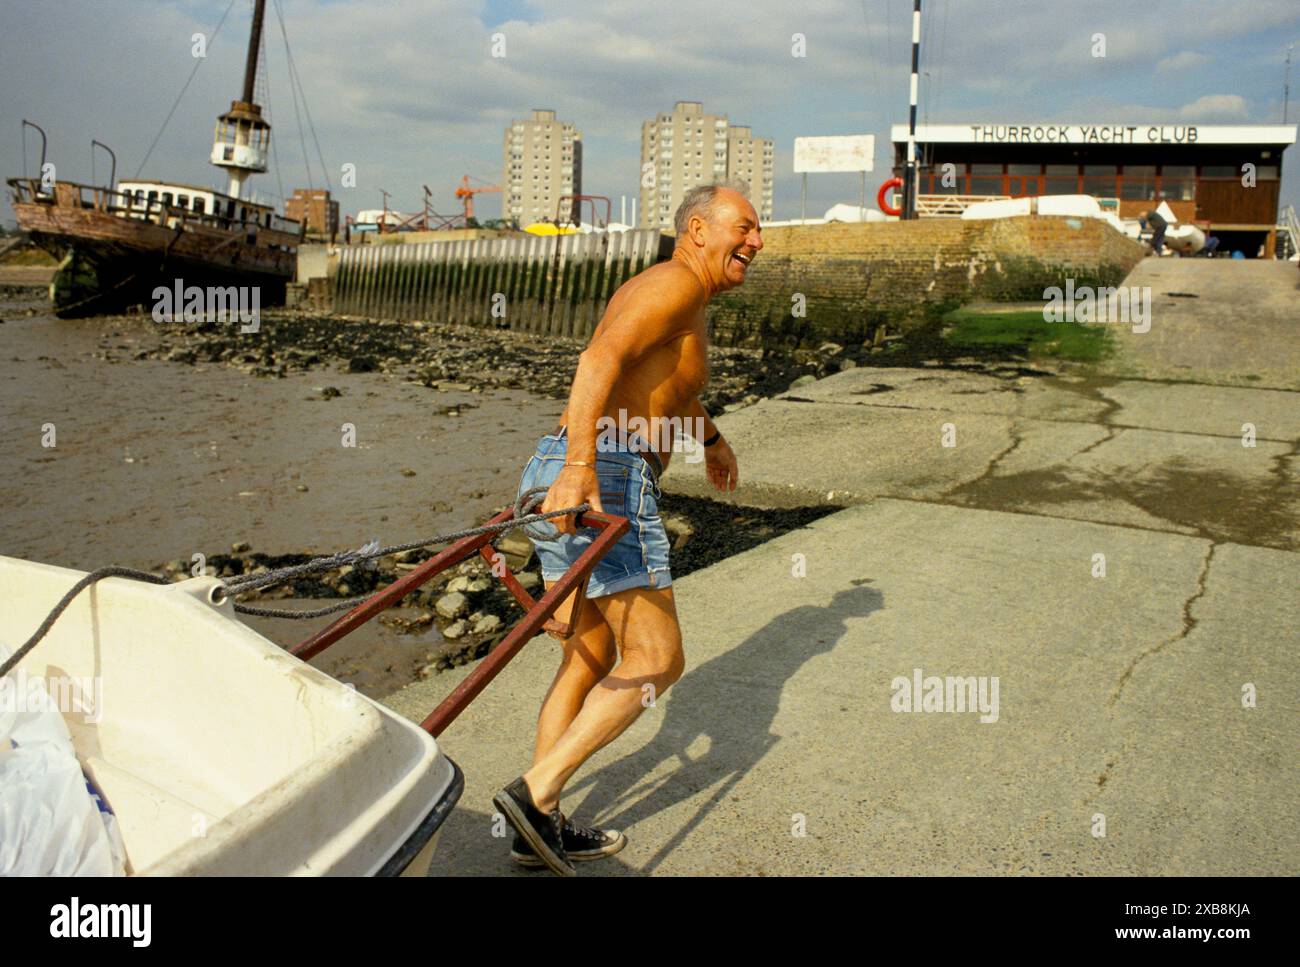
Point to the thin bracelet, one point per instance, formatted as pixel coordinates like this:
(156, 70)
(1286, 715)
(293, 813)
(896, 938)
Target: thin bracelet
(579, 463)
(717, 435)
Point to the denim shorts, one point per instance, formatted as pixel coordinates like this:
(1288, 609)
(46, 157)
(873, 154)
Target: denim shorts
(627, 489)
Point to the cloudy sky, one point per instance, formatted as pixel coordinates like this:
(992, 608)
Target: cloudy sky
(408, 90)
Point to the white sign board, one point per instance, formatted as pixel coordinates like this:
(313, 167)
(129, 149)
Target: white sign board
(1098, 134)
(854, 152)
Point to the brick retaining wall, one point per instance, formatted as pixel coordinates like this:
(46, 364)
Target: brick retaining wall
(857, 276)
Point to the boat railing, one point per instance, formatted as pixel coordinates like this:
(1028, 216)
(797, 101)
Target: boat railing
(70, 194)
(1288, 232)
(950, 206)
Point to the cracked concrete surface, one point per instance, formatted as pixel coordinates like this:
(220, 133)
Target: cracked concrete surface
(1105, 546)
(995, 461)
(1158, 455)
(783, 720)
(1189, 623)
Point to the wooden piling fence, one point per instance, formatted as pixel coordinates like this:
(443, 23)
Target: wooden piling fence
(552, 285)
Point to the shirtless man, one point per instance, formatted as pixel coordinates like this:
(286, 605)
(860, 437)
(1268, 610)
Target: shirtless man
(646, 359)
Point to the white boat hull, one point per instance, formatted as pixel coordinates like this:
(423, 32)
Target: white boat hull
(219, 752)
(1184, 239)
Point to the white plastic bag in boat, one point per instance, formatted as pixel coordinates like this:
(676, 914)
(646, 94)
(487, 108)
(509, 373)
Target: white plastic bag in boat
(52, 822)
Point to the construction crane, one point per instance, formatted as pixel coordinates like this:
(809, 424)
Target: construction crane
(466, 193)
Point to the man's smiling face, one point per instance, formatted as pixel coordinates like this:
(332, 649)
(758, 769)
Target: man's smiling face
(732, 237)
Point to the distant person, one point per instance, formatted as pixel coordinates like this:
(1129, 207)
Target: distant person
(1211, 246)
(644, 367)
(1158, 226)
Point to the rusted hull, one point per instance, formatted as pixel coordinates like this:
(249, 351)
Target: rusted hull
(109, 263)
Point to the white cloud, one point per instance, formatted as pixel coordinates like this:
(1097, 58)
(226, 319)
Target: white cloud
(1216, 107)
(1184, 60)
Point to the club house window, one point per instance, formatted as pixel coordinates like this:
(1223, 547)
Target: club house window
(1138, 181)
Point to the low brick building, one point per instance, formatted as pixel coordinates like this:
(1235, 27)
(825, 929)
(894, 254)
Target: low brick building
(318, 213)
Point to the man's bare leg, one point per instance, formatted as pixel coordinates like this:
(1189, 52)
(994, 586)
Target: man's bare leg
(644, 625)
(589, 655)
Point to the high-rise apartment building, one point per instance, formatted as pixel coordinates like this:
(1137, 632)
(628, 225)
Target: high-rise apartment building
(687, 148)
(749, 160)
(542, 164)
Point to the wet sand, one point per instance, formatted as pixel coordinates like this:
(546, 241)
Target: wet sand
(155, 461)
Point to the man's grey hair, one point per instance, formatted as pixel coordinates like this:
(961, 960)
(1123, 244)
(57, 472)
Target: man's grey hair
(699, 201)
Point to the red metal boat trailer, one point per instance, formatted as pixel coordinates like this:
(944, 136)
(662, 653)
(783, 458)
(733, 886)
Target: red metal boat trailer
(537, 617)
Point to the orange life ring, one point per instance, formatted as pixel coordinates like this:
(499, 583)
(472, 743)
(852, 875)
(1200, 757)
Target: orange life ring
(885, 207)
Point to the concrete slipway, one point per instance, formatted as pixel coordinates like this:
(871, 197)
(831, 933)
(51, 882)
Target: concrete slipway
(1120, 698)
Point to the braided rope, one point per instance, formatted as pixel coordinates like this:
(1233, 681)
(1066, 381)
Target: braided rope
(89, 579)
(524, 517)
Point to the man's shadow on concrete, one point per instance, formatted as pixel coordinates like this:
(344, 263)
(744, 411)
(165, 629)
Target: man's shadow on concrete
(738, 739)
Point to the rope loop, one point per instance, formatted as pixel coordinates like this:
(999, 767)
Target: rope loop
(525, 505)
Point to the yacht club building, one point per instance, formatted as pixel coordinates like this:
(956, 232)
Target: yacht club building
(1224, 177)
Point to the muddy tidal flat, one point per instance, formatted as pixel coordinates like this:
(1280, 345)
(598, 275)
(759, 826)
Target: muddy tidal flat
(171, 441)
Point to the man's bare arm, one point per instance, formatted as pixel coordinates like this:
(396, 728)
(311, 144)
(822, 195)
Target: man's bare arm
(699, 419)
(719, 460)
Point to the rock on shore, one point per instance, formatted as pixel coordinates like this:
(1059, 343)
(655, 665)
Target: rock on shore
(448, 357)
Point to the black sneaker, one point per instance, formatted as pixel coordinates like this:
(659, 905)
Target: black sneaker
(580, 843)
(541, 831)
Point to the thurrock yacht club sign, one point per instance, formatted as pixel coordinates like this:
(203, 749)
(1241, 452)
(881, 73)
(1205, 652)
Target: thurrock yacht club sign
(1084, 133)
(1118, 134)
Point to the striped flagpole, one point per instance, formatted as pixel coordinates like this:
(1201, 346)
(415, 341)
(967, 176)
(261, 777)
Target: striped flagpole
(909, 174)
